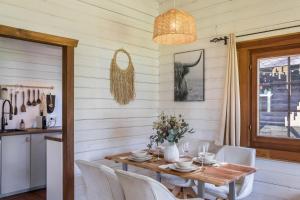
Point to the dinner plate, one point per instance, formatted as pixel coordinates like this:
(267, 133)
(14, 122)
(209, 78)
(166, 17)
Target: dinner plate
(175, 168)
(132, 158)
(206, 162)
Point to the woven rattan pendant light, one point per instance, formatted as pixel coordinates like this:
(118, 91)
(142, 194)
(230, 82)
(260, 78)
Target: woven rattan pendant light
(174, 27)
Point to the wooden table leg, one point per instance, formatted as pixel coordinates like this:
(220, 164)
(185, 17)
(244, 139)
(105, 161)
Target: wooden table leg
(232, 190)
(158, 176)
(125, 166)
(200, 186)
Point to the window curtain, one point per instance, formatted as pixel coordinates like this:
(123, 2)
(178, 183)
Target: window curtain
(230, 120)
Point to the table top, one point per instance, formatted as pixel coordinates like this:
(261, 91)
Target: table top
(223, 174)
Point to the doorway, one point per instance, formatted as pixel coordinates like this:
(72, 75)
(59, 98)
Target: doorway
(67, 46)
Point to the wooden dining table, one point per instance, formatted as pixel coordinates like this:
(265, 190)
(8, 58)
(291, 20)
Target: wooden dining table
(223, 174)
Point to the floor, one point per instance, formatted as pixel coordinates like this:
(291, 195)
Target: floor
(35, 195)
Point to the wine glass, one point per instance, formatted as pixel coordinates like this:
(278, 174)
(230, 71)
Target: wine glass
(205, 149)
(201, 155)
(202, 150)
(158, 150)
(185, 148)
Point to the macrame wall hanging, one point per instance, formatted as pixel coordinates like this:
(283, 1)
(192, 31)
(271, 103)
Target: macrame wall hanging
(122, 80)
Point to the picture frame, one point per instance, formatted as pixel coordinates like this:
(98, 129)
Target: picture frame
(189, 76)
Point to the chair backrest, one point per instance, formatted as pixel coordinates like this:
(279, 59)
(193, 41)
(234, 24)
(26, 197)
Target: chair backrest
(237, 155)
(243, 156)
(139, 187)
(101, 181)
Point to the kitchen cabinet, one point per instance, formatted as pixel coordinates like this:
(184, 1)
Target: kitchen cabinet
(23, 160)
(54, 170)
(38, 161)
(15, 163)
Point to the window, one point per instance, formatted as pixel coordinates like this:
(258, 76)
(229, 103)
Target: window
(278, 96)
(269, 72)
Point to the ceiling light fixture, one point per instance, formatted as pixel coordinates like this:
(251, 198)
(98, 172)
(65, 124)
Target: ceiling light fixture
(174, 27)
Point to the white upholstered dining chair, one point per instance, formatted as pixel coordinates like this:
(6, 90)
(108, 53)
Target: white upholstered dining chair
(139, 187)
(101, 181)
(236, 155)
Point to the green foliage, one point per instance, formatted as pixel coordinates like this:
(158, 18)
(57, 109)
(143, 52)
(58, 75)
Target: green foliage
(169, 128)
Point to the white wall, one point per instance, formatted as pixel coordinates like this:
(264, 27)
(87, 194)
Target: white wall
(274, 180)
(102, 126)
(28, 63)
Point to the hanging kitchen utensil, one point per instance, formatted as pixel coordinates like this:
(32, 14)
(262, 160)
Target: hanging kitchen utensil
(16, 108)
(23, 107)
(43, 105)
(38, 101)
(28, 96)
(50, 103)
(33, 102)
(4, 93)
(11, 99)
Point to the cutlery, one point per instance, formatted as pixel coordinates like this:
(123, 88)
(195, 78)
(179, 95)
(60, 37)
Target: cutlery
(38, 100)
(11, 100)
(51, 103)
(33, 102)
(28, 102)
(16, 108)
(23, 107)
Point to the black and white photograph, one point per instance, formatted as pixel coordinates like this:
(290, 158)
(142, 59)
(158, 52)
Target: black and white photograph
(189, 76)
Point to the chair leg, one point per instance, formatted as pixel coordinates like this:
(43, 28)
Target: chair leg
(190, 192)
(176, 190)
(184, 192)
(187, 192)
(185, 195)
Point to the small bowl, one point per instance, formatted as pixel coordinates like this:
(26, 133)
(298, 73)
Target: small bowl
(139, 154)
(184, 162)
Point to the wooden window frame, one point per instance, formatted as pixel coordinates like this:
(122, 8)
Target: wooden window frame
(68, 46)
(248, 53)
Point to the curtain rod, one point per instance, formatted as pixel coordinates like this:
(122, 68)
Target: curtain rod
(271, 30)
(225, 38)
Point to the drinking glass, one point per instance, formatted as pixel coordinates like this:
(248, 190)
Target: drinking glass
(185, 148)
(158, 149)
(205, 149)
(202, 150)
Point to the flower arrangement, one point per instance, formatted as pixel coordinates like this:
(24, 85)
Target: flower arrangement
(170, 128)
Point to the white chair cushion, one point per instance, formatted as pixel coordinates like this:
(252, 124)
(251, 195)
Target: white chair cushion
(101, 182)
(177, 181)
(221, 191)
(237, 155)
(139, 187)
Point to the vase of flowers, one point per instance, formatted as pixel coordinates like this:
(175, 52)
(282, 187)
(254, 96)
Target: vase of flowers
(171, 153)
(170, 128)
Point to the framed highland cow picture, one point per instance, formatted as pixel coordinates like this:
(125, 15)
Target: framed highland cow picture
(189, 76)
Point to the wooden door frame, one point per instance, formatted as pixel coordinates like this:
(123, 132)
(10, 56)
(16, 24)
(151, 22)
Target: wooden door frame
(283, 144)
(68, 46)
(247, 50)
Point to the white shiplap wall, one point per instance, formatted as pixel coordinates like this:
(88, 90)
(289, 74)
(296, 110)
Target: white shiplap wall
(102, 126)
(274, 179)
(28, 63)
